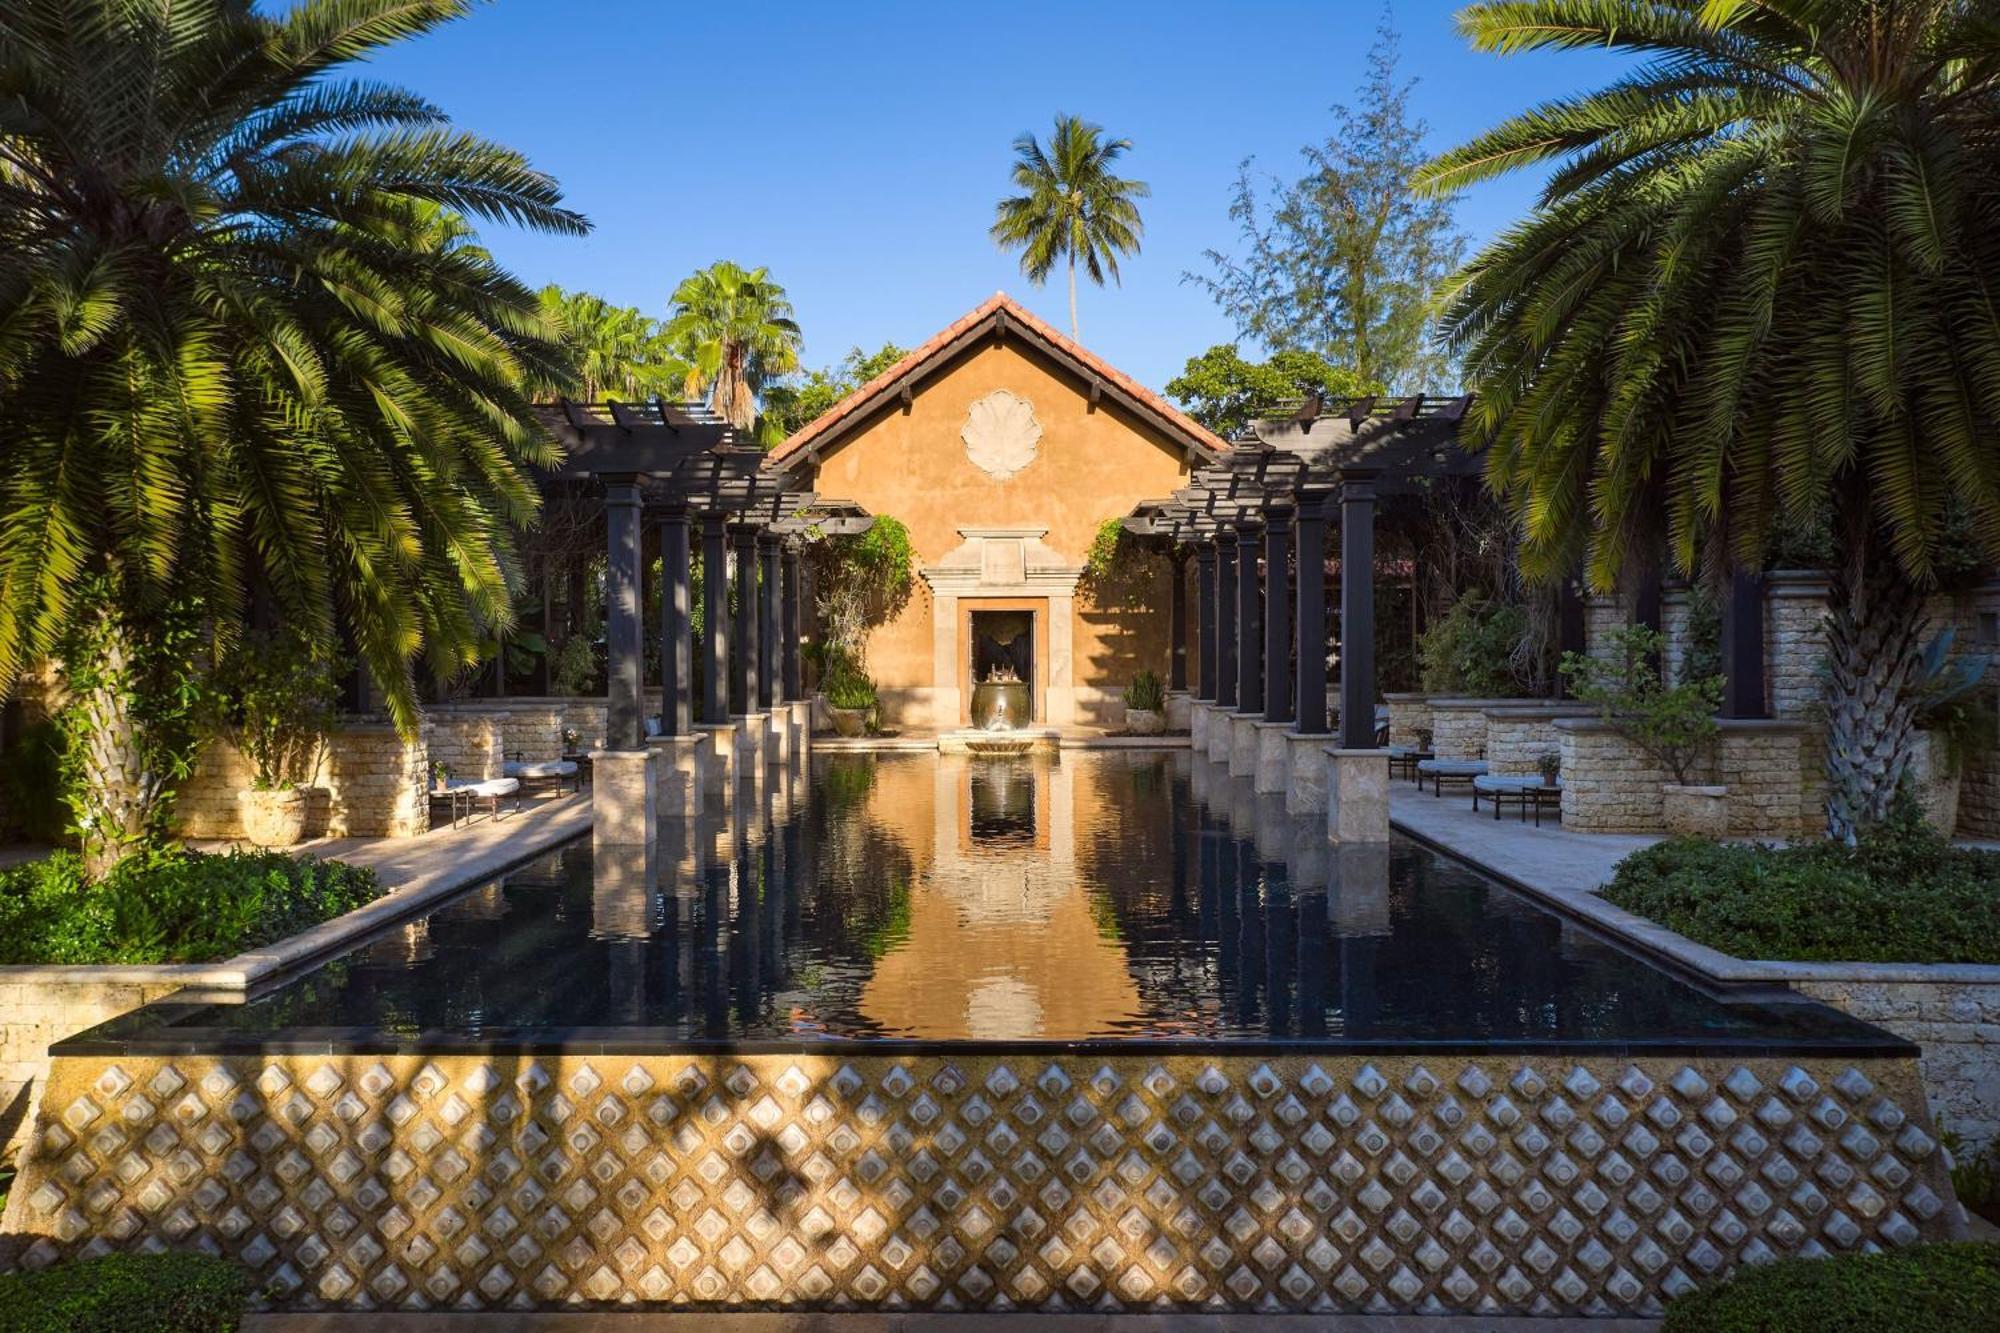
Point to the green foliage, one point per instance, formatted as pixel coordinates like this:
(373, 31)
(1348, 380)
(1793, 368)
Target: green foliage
(791, 406)
(1550, 765)
(615, 353)
(861, 579)
(169, 907)
(1071, 206)
(1119, 568)
(31, 780)
(127, 1293)
(734, 328)
(844, 682)
(1950, 701)
(1902, 894)
(1344, 261)
(1672, 723)
(1146, 693)
(1702, 655)
(1923, 1289)
(1225, 393)
(277, 689)
(1472, 649)
(574, 667)
(1975, 1175)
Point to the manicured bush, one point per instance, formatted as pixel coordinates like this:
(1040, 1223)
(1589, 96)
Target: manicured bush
(1903, 895)
(127, 1293)
(1146, 693)
(1925, 1289)
(169, 907)
(1474, 649)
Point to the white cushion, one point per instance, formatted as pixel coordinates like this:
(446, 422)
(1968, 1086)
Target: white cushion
(547, 768)
(489, 787)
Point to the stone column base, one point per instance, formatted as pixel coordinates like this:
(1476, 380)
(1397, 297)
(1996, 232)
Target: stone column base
(751, 731)
(1274, 760)
(715, 757)
(1357, 795)
(778, 739)
(676, 776)
(1243, 744)
(802, 728)
(1180, 706)
(1305, 782)
(1198, 714)
(622, 796)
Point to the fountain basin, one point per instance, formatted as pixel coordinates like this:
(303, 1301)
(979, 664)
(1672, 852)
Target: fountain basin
(969, 740)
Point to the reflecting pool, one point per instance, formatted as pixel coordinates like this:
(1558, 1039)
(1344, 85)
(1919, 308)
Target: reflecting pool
(1081, 897)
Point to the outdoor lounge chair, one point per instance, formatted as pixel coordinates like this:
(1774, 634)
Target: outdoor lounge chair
(1403, 760)
(543, 773)
(463, 796)
(1454, 771)
(1529, 791)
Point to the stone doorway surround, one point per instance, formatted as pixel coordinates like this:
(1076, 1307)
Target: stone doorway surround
(994, 566)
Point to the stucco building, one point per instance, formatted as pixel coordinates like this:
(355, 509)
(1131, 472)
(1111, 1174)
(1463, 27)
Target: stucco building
(1004, 446)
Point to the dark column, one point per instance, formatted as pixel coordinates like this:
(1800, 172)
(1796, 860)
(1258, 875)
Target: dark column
(1225, 619)
(1249, 624)
(625, 648)
(1278, 700)
(793, 620)
(676, 648)
(1177, 622)
(1357, 609)
(1204, 596)
(714, 620)
(769, 647)
(743, 679)
(1743, 646)
(1311, 702)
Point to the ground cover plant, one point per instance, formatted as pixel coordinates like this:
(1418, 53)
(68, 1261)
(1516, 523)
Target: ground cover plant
(1903, 894)
(127, 1293)
(1925, 1289)
(169, 907)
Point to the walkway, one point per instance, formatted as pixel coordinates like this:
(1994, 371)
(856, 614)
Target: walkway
(1549, 857)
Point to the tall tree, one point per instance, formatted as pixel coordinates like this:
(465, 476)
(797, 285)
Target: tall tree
(246, 349)
(1071, 207)
(616, 352)
(734, 328)
(792, 405)
(1345, 260)
(1762, 284)
(1225, 393)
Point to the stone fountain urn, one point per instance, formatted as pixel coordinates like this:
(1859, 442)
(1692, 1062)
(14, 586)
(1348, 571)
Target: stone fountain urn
(999, 705)
(273, 817)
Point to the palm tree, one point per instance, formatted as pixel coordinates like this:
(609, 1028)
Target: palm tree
(248, 352)
(734, 328)
(617, 352)
(1071, 207)
(1762, 283)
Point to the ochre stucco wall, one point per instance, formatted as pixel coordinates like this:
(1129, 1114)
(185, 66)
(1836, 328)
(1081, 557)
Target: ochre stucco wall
(1090, 466)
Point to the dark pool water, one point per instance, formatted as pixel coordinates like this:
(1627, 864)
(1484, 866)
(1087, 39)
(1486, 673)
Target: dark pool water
(1099, 896)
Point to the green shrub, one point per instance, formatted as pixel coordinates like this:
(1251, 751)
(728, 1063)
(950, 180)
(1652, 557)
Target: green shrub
(1672, 723)
(1925, 1289)
(1146, 693)
(127, 1293)
(169, 907)
(1473, 650)
(1903, 895)
(844, 681)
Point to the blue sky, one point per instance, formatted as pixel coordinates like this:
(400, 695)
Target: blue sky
(857, 149)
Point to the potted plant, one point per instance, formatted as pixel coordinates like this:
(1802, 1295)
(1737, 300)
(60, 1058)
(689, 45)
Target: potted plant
(850, 694)
(1551, 765)
(1145, 705)
(1953, 722)
(1424, 736)
(1674, 724)
(279, 688)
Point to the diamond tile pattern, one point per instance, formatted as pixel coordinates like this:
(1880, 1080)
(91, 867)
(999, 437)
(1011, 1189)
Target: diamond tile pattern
(1231, 1182)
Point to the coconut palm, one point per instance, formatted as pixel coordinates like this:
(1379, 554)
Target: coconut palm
(1071, 207)
(617, 352)
(1762, 283)
(248, 351)
(734, 328)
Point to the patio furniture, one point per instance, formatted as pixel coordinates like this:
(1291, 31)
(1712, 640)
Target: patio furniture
(1528, 791)
(1454, 771)
(543, 773)
(1403, 760)
(581, 758)
(462, 798)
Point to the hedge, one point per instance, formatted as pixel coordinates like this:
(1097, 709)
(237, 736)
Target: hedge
(1924, 1289)
(127, 1293)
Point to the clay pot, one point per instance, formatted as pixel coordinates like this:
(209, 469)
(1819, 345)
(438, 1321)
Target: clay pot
(1145, 722)
(1696, 812)
(849, 721)
(274, 818)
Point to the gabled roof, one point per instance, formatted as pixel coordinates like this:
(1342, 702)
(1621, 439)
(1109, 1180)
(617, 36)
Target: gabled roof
(1000, 315)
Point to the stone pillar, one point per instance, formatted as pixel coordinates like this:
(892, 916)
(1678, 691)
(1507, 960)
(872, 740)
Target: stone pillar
(1357, 793)
(1204, 581)
(1357, 614)
(676, 647)
(1743, 647)
(1278, 701)
(1310, 705)
(1225, 620)
(1249, 624)
(715, 622)
(743, 680)
(769, 690)
(793, 621)
(623, 797)
(623, 626)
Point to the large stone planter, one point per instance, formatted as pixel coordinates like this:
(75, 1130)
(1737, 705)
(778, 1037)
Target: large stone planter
(1145, 722)
(1935, 784)
(1696, 812)
(274, 818)
(848, 721)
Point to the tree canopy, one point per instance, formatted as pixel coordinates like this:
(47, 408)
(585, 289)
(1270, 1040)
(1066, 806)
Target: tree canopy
(796, 403)
(1225, 392)
(616, 352)
(1072, 208)
(734, 328)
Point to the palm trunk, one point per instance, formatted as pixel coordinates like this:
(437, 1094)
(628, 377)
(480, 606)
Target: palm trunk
(1874, 649)
(1075, 330)
(109, 792)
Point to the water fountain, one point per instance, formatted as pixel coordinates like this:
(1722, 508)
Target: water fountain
(996, 737)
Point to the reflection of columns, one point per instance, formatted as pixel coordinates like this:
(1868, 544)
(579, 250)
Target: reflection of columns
(1177, 622)
(623, 628)
(1311, 701)
(676, 649)
(715, 621)
(1249, 624)
(1743, 646)
(1225, 619)
(769, 649)
(743, 680)
(1357, 608)
(793, 626)
(1204, 577)
(1278, 702)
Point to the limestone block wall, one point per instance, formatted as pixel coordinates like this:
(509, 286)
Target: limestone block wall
(1602, 615)
(1772, 770)
(1459, 725)
(1958, 1026)
(533, 727)
(35, 1013)
(1517, 738)
(1408, 713)
(1794, 640)
(371, 784)
(1609, 784)
(1676, 603)
(472, 745)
